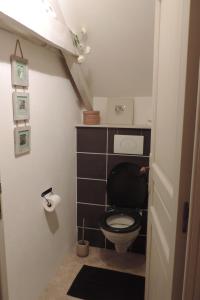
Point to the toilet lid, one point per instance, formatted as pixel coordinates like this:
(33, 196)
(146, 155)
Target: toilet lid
(126, 187)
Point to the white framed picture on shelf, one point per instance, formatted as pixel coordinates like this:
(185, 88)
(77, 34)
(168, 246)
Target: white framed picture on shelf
(21, 106)
(22, 137)
(19, 69)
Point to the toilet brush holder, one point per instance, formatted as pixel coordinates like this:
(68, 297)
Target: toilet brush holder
(82, 247)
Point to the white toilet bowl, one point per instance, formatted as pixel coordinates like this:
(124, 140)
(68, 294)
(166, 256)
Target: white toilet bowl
(121, 228)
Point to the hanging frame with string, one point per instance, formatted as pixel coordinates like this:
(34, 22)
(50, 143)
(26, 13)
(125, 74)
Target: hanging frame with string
(19, 68)
(21, 106)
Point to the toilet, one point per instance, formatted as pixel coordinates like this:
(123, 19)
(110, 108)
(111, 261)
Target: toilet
(127, 194)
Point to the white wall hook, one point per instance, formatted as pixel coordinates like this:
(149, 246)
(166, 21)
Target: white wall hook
(81, 59)
(79, 42)
(84, 31)
(87, 49)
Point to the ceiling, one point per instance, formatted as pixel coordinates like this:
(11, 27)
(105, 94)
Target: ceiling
(121, 36)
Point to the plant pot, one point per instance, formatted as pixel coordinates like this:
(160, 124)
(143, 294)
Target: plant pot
(91, 117)
(82, 248)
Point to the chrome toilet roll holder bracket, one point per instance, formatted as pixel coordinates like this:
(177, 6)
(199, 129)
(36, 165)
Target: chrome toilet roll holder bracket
(43, 195)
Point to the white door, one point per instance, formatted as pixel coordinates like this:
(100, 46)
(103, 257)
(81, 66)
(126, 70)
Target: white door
(0, 239)
(170, 61)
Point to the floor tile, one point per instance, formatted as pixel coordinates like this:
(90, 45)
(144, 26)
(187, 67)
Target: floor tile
(102, 258)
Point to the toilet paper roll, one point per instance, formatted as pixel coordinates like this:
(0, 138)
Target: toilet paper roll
(53, 201)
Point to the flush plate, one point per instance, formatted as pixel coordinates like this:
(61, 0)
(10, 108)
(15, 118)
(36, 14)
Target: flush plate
(128, 144)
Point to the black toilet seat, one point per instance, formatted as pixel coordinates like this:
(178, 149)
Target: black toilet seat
(122, 212)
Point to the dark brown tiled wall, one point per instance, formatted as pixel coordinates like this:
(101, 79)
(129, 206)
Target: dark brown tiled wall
(91, 191)
(95, 160)
(94, 142)
(91, 213)
(91, 166)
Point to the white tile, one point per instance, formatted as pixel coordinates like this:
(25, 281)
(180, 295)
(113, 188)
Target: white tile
(100, 103)
(120, 111)
(142, 111)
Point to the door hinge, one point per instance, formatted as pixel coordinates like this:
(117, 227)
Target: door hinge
(185, 217)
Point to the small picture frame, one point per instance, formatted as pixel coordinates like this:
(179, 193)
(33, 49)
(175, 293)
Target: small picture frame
(22, 140)
(19, 68)
(21, 107)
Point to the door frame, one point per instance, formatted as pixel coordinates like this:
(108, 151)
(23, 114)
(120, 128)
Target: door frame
(191, 289)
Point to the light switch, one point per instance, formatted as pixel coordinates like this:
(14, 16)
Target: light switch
(128, 144)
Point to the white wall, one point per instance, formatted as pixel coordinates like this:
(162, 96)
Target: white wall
(121, 37)
(36, 242)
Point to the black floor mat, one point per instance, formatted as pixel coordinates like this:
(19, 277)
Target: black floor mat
(101, 284)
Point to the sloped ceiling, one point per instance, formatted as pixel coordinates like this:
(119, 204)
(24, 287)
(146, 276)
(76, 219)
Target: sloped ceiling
(35, 21)
(121, 36)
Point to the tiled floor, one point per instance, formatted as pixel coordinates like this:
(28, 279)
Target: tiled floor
(103, 258)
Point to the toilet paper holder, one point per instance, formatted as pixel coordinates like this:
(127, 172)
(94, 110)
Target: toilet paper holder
(46, 193)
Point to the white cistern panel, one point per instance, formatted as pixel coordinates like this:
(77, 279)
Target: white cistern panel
(128, 144)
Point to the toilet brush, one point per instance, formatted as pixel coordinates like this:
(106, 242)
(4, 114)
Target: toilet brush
(82, 247)
(83, 232)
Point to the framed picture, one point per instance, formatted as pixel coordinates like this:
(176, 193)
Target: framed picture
(21, 109)
(19, 68)
(22, 140)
